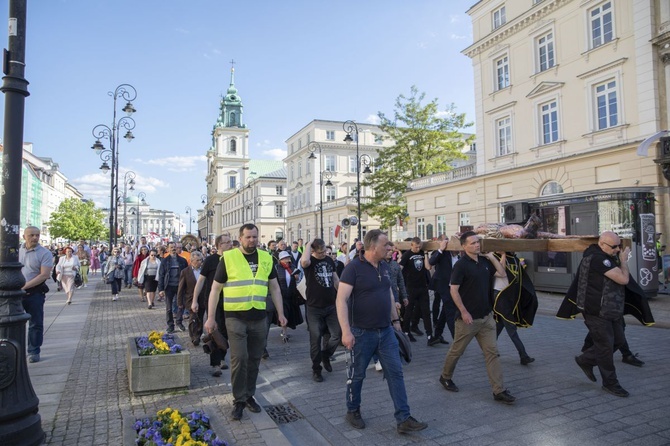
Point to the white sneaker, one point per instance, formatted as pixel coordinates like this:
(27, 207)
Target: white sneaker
(378, 366)
(115, 297)
(85, 286)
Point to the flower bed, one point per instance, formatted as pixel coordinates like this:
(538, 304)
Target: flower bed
(157, 343)
(157, 366)
(171, 427)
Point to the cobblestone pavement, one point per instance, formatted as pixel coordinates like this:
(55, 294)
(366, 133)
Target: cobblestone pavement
(83, 386)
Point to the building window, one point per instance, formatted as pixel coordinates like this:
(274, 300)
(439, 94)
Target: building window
(279, 210)
(421, 228)
(464, 219)
(330, 163)
(232, 182)
(502, 72)
(504, 130)
(308, 167)
(441, 225)
(606, 104)
(551, 188)
(279, 190)
(233, 146)
(545, 51)
(291, 172)
(600, 20)
(499, 17)
(330, 135)
(353, 164)
(299, 169)
(330, 193)
(549, 115)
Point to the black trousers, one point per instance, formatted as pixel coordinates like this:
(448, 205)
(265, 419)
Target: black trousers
(623, 348)
(605, 335)
(418, 308)
(446, 316)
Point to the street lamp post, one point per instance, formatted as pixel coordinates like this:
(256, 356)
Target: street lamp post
(140, 202)
(128, 93)
(20, 422)
(188, 211)
(128, 179)
(208, 214)
(313, 147)
(361, 160)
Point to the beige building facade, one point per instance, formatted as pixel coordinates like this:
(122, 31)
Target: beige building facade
(566, 91)
(322, 170)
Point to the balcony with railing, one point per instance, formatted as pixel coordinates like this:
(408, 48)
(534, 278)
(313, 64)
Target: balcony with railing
(456, 174)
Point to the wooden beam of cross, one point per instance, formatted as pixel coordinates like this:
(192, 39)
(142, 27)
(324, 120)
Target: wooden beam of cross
(578, 244)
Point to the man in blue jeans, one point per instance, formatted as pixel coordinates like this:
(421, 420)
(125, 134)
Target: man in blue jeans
(37, 264)
(366, 329)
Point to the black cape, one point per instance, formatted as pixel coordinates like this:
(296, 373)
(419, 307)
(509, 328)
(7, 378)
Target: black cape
(517, 303)
(635, 303)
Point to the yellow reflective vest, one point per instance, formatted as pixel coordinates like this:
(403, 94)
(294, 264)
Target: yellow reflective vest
(243, 291)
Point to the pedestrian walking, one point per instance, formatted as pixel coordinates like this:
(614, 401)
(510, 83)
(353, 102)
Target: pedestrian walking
(114, 272)
(37, 263)
(367, 314)
(67, 267)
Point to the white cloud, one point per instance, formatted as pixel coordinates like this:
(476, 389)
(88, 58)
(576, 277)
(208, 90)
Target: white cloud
(444, 114)
(454, 18)
(276, 154)
(422, 45)
(457, 37)
(182, 31)
(372, 119)
(178, 163)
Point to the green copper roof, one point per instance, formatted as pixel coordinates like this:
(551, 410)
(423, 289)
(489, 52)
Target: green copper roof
(260, 168)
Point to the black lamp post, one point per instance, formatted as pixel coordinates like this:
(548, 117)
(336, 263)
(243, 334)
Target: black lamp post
(188, 211)
(20, 422)
(351, 127)
(140, 202)
(313, 147)
(128, 179)
(209, 213)
(128, 93)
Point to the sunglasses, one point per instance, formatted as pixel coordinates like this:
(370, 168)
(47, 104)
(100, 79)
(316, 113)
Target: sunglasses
(613, 246)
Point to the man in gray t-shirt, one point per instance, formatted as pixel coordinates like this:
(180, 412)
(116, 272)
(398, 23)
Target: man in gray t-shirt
(37, 264)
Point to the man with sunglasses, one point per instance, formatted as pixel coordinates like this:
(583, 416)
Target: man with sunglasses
(599, 288)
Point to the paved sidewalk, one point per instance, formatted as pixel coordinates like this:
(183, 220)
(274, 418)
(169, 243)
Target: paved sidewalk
(83, 386)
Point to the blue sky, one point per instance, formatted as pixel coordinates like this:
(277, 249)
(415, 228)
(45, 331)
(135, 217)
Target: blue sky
(295, 61)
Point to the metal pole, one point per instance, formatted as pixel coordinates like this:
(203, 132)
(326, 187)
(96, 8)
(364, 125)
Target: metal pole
(321, 198)
(20, 422)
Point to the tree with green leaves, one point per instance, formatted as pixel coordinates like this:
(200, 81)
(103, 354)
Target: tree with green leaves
(426, 142)
(77, 220)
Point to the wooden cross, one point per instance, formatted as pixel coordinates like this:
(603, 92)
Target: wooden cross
(578, 244)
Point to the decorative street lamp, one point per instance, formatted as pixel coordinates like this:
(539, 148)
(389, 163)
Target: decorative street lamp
(128, 179)
(140, 202)
(188, 211)
(102, 131)
(209, 213)
(327, 174)
(361, 160)
(20, 422)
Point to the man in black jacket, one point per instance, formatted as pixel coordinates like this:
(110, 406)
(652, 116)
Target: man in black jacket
(443, 261)
(168, 283)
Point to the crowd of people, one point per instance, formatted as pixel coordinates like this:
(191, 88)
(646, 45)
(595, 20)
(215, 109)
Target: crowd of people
(368, 297)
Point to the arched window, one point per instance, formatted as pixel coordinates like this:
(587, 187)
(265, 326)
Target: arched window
(232, 119)
(233, 146)
(551, 188)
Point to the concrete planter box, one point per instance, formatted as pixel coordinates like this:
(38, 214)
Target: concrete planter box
(157, 373)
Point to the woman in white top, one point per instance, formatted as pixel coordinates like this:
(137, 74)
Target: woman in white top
(147, 276)
(67, 267)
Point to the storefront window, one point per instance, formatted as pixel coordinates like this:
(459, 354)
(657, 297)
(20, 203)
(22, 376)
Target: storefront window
(616, 216)
(553, 220)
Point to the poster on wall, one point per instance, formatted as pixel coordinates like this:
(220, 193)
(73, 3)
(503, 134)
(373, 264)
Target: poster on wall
(647, 274)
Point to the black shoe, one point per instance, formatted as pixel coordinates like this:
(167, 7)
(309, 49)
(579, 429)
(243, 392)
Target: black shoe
(416, 331)
(266, 355)
(448, 384)
(433, 341)
(170, 330)
(632, 360)
(355, 419)
(238, 408)
(316, 376)
(216, 372)
(252, 405)
(411, 425)
(224, 366)
(181, 327)
(587, 369)
(196, 342)
(411, 338)
(527, 360)
(443, 341)
(504, 397)
(616, 390)
(326, 363)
